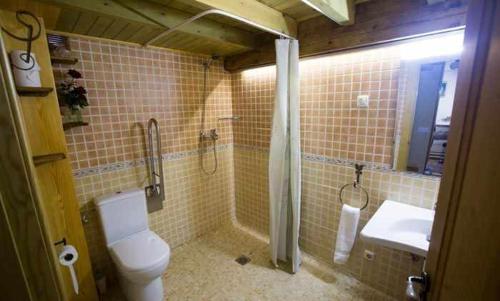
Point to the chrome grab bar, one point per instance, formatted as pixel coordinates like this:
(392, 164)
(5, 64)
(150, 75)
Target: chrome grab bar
(156, 190)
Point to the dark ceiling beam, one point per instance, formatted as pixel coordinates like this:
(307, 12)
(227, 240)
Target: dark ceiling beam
(377, 21)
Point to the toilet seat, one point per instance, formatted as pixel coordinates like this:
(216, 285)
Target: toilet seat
(141, 256)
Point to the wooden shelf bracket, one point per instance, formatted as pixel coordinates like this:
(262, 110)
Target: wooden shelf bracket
(43, 159)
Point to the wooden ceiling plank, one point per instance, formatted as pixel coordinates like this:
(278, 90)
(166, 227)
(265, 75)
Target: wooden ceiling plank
(301, 11)
(191, 43)
(165, 41)
(67, 20)
(100, 26)
(128, 32)
(145, 34)
(169, 17)
(84, 23)
(284, 5)
(50, 15)
(115, 28)
(258, 13)
(152, 14)
(340, 11)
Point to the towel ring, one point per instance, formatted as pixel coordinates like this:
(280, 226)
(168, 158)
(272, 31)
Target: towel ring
(355, 185)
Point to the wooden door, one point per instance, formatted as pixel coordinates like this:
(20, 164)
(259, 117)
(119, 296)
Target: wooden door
(464, 256)
(39, 125)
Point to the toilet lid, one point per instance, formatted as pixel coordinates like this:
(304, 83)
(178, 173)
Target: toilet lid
(141, 251)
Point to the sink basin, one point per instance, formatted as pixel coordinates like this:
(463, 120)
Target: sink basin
(400, 226)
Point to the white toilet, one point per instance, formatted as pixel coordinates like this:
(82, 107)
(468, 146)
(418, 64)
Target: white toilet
(141, 256)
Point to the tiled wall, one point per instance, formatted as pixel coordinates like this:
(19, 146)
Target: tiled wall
(335, 134)
(331, 123)
(126, 86)
(195, 203)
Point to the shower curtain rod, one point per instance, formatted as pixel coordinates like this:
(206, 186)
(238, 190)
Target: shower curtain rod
(216, 12)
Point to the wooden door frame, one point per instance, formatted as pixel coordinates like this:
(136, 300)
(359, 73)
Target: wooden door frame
(31, 273)
(472, 65)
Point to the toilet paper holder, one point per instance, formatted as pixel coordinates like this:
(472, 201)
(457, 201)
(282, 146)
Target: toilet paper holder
(68, 257)
(62, 241)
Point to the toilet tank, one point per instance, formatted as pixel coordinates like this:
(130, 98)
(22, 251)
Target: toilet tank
(122, 214)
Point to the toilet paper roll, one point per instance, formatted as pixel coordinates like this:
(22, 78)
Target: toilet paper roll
(67, 258)
(25, 74)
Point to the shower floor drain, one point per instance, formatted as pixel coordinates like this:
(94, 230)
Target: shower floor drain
(243, 260)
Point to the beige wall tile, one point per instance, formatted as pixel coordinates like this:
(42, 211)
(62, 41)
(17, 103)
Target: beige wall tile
(334, 134)
(126, 86)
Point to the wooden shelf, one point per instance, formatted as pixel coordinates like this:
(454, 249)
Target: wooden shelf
(43, 159)
(69, 125)
(33, 91)
(63, 60)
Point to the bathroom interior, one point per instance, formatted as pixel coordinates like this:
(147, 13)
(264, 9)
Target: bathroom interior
(249, 150)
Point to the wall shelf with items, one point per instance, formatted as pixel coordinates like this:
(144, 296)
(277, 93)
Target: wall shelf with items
(33, 91)
(69, 125)
(63, 60)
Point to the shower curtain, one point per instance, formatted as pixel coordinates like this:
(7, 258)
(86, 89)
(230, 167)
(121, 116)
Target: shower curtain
(284, 158)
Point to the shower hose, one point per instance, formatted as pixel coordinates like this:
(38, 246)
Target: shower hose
(215, 159)
(212, 137)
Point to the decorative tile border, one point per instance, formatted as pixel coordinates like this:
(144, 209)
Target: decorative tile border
(141, 162)
(181, 155)
(344, 162)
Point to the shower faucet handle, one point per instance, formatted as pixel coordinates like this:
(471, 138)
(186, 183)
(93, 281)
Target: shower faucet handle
(210, 134)
(213, 134)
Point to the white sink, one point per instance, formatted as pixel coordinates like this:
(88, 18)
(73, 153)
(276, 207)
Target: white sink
(401, 227)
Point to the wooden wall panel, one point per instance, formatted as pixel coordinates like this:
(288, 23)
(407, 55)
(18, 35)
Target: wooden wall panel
(464, 261)
(55, 198)
(14, 286)
(377, 21)
(50, 12)
(23, 250)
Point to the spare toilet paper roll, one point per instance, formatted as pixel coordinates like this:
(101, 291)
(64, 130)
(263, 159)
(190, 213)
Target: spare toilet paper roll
(26, 74)
(68, 257)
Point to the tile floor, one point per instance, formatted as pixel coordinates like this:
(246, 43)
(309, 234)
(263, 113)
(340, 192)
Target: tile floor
(205, 269)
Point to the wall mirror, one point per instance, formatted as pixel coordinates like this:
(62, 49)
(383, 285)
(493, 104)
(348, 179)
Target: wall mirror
(425, 101)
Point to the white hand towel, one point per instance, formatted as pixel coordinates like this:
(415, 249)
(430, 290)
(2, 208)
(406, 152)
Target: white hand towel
(346, 234)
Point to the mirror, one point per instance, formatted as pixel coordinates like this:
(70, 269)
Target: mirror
(425, 101)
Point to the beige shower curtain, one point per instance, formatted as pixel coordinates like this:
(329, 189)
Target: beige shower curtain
(284, 158)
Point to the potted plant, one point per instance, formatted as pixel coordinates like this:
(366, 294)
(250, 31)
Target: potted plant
(72, 97)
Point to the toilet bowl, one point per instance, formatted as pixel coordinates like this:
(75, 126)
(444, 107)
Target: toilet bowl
(141, 257)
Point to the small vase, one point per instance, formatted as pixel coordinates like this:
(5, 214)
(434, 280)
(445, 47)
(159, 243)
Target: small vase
(71, 116)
